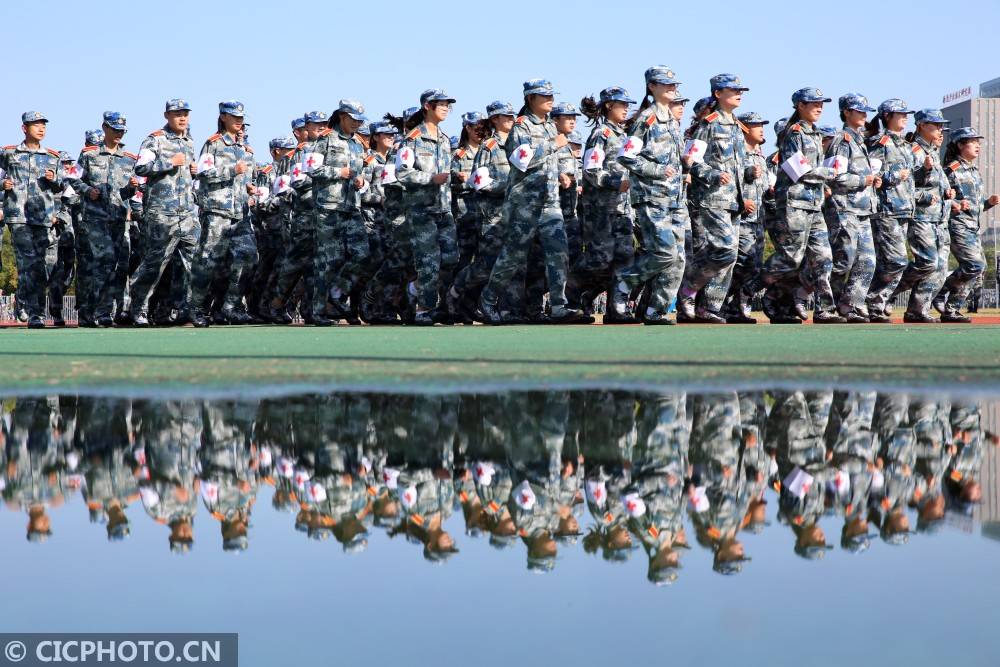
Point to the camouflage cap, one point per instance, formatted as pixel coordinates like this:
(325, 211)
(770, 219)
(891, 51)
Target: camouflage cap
(115, 120)
(93, 137)
(702, 104)
(564, 109)
(893, 105)
(65, 157)
(365, 129)
(435, 95)
(232, 108)
(809, 95)
(409, 111)
(722, 81)
(177, 104)
(855, 102)
(930, 116)
(575, 138)
(616, 94)
(282, 143)
(964, 133)
(382, 127)
(298, 123)
(661, 74)
(352, 108)
(316, 117)
(680, 99)
(828, 131)
(471, 118)
(33, 117)
(538, 87)
(237, 544)
(779, 125)
(752, 118)
(499, 108)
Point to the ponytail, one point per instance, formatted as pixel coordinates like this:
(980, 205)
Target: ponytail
(414, 120)
(396, 121)
(647, 101)
(592, 109)
(792, 120)
(873, 126)
(952, 152)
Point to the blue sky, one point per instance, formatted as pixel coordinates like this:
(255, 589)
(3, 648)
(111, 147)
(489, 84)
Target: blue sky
(282, 59)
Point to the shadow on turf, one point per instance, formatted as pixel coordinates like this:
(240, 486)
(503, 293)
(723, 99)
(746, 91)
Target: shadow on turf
(531, 362)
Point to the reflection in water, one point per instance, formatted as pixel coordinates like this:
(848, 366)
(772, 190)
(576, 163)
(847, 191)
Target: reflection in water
(616, 473)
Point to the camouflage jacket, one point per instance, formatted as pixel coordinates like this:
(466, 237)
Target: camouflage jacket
(755, 186)
(221, 190)
(896, 195)
(850, 193)
(331, 191)
(968, 184)
(929, 183)
(419, 158)
(34, 200)
(725, 153)
(109, 172)
(662, 144)
(535, 137)
(169, 189)
(491, 155)
(807, 193)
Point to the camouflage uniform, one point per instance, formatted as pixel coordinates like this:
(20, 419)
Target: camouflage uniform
(964, 228)
(927, 234)
(30, 209)
(428, 210)
(168, 213)
(802, 260)
(341, 238)
(103, 232)
(270, 217)
(657, 177)
(463, 197)
(717, 207)
(67, 220)
(531, 206)
(849, 218)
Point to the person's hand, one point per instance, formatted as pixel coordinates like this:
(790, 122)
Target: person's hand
(993, 200)
(462, 177)
(241, 167)
(134, 182)
(749, 207)
(565, 181)
(949, 193)
(560, 140)
(670, 172)
(878, 182)
(966, 204)
(624, 186)
(8, 184)
(94, 194)
(439, 179)
(904, 174)
(345, 172)
(870, 179)
(956, 208)
(359, 183)
(725, 178)
(50, 175)
(928, 163)
(178, 159)
(579, 189)
(193, 168)
(251, 189)
(935, 199)
(756, 171)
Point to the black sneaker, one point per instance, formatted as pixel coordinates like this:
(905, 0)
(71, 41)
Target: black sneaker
(36, 322)
(955, 318)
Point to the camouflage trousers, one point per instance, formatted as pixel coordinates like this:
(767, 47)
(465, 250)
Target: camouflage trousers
(63, 269)
(384, 294)
(569, 201)
(889, 235)
(607, 241)
(802, 260)
(465, 212)
(162, 236)
(527, 212)
(926, 272)
(853, 259)
(471, 279)
(434, 242)
(745, 281)
(660, 263)
(342, 253)
(226, 251)
(35, 254)
(715, 243)
(967, 248)
(96, 267)
(297, 262)
(270, 249)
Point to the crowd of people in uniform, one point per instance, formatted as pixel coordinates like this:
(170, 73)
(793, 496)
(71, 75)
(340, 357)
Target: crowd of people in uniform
(521, 469)
(518, 220)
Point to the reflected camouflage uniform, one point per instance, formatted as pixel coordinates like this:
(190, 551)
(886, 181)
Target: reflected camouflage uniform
(169, 222)
(30, 209)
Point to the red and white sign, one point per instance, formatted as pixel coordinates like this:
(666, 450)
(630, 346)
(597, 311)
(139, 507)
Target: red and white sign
(695, 149)
(206, 163)
(593, 158)
(796, 166)
(631, 147)
(521, 157)
(481, 178)
(798, 482)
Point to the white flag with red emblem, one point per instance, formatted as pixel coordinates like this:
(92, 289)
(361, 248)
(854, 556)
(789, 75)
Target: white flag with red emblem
(145, 157)
(631, 147)
(596, 492)
(68, 191)
(312, 161)
(140, 456)
(593, 158)
(876, 164)
(408, 497)
(484, 472)
(206, 163)
(282, 184)
(264, 458)
(364, 187)
(796, 166)
(404, 157)
(521, 157)
(481, 178)
(388, 174)
(524, 496)
(298, 172)
(150, 498)
(301, 477)
(317, 492)
(286, 468)
(261, 194)
(634, 505)
(836, 162)
(840, 484)
(695, 149)
(390, 477)
(210, 492)
(772, 178)
(878, 480)
(698, 500)
(798, 482)
(72, 170)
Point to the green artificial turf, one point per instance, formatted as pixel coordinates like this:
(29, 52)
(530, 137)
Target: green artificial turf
(255, 358)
